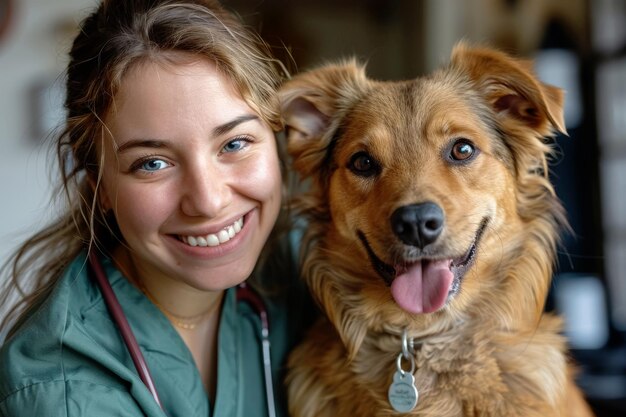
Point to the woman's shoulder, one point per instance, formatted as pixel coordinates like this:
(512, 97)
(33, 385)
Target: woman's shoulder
(36, 338)
(48, 315)
(40, 354)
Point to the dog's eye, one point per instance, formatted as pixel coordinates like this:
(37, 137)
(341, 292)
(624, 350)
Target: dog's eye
(363, 164)
(462, 150)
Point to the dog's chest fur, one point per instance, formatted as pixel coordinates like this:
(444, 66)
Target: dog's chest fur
(457, 373)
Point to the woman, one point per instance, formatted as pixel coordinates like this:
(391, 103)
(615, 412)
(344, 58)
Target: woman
(171, 170)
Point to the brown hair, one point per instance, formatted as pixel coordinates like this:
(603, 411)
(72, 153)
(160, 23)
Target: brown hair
(117, 36)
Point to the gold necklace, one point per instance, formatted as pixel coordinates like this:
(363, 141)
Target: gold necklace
(186, 323)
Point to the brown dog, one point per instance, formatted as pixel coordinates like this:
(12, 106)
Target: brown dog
(430, 243)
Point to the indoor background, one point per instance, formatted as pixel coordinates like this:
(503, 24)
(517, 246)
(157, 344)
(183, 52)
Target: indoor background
(579, 45)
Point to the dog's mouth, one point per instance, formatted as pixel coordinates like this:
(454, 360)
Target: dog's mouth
(425, 286)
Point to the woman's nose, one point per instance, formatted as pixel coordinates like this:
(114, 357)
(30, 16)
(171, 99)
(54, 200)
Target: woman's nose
(205, 194)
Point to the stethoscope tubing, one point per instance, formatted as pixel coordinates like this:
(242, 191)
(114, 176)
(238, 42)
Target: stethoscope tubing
(245, 293)
(115, 309)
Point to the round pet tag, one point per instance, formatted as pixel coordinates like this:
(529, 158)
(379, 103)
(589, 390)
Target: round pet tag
(402, 392)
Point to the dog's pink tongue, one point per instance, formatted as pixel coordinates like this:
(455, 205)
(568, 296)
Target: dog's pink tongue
(424, 287)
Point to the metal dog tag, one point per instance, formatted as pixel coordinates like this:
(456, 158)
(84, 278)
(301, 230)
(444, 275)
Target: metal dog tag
(402, 392)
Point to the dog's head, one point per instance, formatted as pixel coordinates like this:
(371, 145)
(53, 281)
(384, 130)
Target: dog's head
(429, 191)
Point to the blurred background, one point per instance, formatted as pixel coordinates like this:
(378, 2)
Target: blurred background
(578, 45)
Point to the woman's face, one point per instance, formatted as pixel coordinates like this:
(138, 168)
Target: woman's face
(192, 175)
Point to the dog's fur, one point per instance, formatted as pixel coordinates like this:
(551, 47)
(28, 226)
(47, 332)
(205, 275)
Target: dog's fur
(488, 349)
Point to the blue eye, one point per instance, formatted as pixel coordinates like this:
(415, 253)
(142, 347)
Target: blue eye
(153, 165)
(235, 145)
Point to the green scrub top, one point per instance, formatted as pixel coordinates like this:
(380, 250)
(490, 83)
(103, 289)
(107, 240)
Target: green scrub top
(68, 357)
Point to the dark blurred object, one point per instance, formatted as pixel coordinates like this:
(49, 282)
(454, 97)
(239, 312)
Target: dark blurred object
(6, 16)
(387, 34)
(587, 289)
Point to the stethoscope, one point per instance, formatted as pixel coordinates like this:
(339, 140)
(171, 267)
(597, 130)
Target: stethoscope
(244, 293)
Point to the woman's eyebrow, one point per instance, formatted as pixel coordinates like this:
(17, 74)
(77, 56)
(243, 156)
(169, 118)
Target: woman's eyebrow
(140, 143)
(227, 127)
(154, 143)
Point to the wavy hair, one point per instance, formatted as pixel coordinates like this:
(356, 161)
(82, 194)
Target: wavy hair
(116, 37)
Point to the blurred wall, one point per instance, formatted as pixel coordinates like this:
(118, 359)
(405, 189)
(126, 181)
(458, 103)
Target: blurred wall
(32, 59)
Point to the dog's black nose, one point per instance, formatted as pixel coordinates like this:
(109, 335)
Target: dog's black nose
(418, 224)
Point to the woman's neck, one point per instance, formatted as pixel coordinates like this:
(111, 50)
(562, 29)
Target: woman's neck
(180, 302)
(193, 313)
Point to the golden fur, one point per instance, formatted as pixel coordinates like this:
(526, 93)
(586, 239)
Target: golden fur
(489, 350)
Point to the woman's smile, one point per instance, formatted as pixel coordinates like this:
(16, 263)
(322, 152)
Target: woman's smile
(233, 247)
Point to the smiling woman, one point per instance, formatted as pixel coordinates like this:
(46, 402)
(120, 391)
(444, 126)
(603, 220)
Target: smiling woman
(210, 164)
(174, 184)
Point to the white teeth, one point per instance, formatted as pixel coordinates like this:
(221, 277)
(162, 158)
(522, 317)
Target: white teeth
(212, 240)
(223, 236)
(220, 237)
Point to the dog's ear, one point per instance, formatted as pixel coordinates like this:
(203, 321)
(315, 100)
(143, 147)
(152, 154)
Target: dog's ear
(313, 105)
(512, 89)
